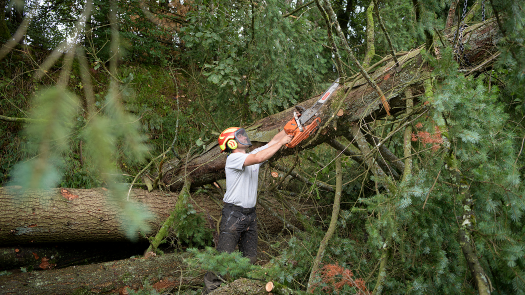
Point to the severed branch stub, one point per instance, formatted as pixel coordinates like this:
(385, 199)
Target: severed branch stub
(277, 288)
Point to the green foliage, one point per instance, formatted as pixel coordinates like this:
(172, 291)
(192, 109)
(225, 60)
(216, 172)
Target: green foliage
(55, 125)
(141, 40)
(52, 114)
(399, 22)
(484, 144)
(190, 228)
(509, 68)
(239, 60)
(48, 27)
(425, 241)
(79, 176)
(292, 267)
(152, 97)
(5, 273)
(267, 60)
(101, 151)
(231, 264)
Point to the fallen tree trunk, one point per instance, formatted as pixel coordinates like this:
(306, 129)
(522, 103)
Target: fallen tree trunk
(71, 215)
(161, 272)
(353, 101)
(49, 217)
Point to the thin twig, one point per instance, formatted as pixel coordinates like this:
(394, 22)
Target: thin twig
(426, 199)
(522, 141)
(177, 124)
(333, 18)
(400, 127)
(386, 33)
(284, 176)
(299, 8)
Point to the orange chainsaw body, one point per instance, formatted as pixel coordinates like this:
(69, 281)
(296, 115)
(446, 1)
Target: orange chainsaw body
(298, 129)
(291, 128)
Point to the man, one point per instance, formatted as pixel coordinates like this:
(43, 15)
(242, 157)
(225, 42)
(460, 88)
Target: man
(239, 220)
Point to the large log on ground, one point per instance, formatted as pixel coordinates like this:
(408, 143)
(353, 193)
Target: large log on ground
(71, 215)
(355, 100)
(84, 215)
(162, 272)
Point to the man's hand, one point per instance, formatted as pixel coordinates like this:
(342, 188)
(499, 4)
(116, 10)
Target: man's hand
(277, 138)
(286, 139)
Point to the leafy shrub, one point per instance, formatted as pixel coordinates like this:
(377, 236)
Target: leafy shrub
(190, 228)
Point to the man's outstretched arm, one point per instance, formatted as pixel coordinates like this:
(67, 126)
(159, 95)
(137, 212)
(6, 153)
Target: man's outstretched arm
(277, 138)
(268, 152)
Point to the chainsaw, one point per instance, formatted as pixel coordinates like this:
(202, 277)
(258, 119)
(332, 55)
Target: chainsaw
(297, 125)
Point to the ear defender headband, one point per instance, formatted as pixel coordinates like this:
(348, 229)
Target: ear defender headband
(232, 144)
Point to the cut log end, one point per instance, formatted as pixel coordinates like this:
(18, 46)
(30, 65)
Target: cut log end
(269, 287)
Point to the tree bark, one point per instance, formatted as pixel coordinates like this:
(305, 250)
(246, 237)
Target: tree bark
(385, 255)
(42, 217)
(452, 16)
(466, 240)
(48, 217)
(370, 38)
(168, 271)
(407, 140)
(360, 102)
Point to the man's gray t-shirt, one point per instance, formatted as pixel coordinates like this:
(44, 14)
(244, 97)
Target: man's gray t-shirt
(241, 181)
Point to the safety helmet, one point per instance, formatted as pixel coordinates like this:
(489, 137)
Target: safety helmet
(232, 137)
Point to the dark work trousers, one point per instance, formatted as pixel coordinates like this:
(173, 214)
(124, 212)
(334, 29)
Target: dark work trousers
(238, 227)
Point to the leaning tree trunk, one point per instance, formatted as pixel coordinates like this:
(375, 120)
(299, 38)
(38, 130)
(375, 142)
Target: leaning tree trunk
(164, 272)
(353, 101)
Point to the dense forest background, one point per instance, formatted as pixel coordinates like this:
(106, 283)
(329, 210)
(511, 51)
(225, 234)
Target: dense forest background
(418, 191)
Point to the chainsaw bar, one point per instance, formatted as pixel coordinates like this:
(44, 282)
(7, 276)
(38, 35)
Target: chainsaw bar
(312, 111)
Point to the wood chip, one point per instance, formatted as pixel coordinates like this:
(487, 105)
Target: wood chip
(68, 195)
(340, 112)
(150, 254)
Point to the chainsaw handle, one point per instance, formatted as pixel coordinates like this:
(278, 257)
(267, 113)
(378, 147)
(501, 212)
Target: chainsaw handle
(296, 117)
